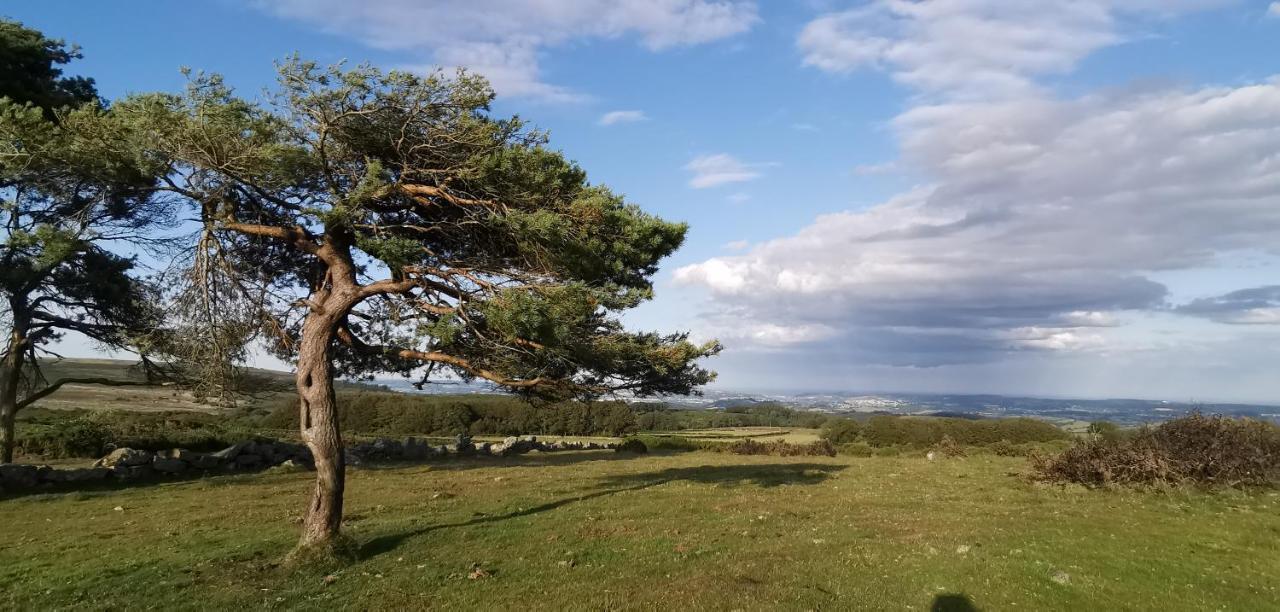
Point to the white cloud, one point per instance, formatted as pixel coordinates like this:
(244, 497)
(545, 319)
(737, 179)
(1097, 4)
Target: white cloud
(738, 198)
(1054, 339)
(1045, 217)
(971, 47)
(502, 38)
(719, 169)
(622, 116)
(736, 245)
(1273, 10)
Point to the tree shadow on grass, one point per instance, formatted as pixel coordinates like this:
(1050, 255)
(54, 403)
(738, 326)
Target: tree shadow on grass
(952, 602)
(763, 475)
(250, 476)
(539, 460)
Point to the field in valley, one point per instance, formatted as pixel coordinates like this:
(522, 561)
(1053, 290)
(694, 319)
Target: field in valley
(699, 530)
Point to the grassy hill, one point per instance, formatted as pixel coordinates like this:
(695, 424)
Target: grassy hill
(686, 531)
(267, 387)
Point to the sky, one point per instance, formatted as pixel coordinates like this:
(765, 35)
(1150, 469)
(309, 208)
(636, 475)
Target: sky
(1069, 199)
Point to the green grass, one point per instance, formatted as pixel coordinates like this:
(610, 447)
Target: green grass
(580, 531)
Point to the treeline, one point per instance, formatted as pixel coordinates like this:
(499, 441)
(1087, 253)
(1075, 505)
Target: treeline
(396, 414)
(887, 431)
(659, 417)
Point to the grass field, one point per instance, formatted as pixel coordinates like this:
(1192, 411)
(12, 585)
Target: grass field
(598, 530)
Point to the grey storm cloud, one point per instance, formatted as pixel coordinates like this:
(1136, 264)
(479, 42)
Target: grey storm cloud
(1254, 306)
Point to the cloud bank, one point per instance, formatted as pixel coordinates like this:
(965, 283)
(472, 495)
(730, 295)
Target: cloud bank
(1045, 218)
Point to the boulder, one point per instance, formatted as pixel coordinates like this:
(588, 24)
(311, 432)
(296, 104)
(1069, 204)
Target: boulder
(245, 460)
(127, 457)
(290, 465)
(167, 465)
(229, 453)
(85, 475)
(132, 472)
(47, 475)
(201, 461)
(386, 448)
(189, 456)
(484, 449)
(415, 450)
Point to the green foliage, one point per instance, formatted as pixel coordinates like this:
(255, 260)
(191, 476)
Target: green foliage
(1105, 429)
(779, 448)
(922, 432)
(30, 73)
(56, 434)
(658, 417)
(841, 431)
(856, 449)
(675, 443)
(503, 261)
(396, 414)
(77, 437)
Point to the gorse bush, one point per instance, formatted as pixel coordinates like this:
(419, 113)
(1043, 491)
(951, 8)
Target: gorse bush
(55, 434)
(675, 443)
(403, 414)
(781, 449)
(1198, 449)
(650, 417)
(949, 448)
(76, 437)
(883, 431)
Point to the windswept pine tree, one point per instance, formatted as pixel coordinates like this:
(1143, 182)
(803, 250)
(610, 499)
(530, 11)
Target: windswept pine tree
(379, 222)
(70, 194)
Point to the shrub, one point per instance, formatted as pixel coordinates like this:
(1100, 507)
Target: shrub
(1204, 450)
(632, 445)
(855, 449)
(948, 448)
(75, 437)
(924, 432)
(398, 414)
(58, 435)
(674, 443)
(841, 431)
(1005, 448)
(782, 449)
(1104, 429)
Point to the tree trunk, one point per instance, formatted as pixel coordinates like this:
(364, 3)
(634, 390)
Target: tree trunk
(9, 372)
(319, 424)
(10, 375)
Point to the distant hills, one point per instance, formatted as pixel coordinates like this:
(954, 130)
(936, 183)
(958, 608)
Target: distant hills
(1122, 411)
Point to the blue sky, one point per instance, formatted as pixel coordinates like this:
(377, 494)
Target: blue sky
(1070, 199)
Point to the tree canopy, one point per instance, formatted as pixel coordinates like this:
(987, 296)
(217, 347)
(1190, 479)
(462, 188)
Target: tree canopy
(461, 240)
(368, 222)
(70, 194)
(30, 73)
